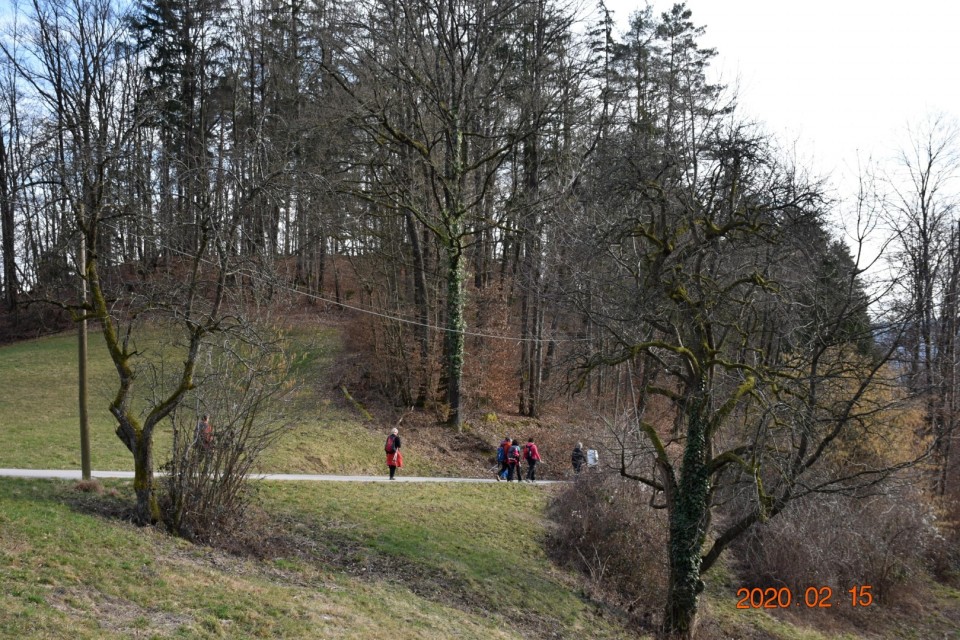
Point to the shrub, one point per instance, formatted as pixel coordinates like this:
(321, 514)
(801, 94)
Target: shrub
(839, 541)
(31, 321)
(88, 486)
(944, 554)
(207, 493)
(606, 529)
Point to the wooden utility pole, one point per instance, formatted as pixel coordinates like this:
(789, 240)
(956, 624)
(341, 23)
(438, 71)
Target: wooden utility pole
(82, 372)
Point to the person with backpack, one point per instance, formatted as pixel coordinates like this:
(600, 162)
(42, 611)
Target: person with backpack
(502, 459)
(392, 449)
(532, 456)
(513, 461)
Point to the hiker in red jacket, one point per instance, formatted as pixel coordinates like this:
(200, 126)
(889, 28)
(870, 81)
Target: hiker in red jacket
(532, 456)
(392, 448)
(203, 434)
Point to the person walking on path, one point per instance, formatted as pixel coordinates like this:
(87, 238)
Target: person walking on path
(392, 448)
(578, 458)
(513, 461)
(502, 452)
(532, 455)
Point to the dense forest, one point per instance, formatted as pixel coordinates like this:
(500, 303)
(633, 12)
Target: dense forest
(520, 203)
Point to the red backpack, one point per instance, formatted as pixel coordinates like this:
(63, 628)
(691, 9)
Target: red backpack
(389, 447)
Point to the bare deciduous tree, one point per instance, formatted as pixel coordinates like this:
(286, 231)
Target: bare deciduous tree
(427, 82)
(922, 213)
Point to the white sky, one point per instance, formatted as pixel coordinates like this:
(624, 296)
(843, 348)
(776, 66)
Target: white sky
(838, 77)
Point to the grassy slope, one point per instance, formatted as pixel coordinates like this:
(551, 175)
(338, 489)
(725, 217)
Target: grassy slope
(39, 427)
(374, 561)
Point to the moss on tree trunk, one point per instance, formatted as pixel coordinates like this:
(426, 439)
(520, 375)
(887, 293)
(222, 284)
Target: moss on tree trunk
(148, 509)
(456, 300)
(688, 525)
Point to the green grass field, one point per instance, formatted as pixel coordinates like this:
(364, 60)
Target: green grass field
(371, 561)
(39, 414)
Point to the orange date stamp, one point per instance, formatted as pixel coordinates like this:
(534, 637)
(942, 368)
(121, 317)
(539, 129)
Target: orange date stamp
(812, 598)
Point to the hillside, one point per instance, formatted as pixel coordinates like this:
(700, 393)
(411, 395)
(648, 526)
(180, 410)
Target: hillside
(336, 427)
(327, 560)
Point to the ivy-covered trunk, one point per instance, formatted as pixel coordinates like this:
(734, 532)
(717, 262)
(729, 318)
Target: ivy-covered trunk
(689, 518)
(456, 300)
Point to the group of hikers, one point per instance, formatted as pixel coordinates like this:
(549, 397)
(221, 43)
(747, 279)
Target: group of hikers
(510, 454)
(510, 458)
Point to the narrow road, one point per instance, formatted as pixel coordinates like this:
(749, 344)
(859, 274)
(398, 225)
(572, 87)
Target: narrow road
(74, 474)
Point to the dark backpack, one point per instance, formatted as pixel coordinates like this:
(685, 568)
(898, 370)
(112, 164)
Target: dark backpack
(389, 448)
(500, 454)
(514, 454)
(528, 452)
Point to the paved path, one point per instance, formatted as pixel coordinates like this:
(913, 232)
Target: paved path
(74, 474)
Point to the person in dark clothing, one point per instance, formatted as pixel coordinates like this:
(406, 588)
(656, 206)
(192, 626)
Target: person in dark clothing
(513, 461)
(392, 447)
(578, 458)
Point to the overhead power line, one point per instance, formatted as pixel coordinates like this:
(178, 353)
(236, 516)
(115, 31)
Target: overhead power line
(379, 314)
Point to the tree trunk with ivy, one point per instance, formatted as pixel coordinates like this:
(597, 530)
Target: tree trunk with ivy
(689, 517)
(455, 339)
